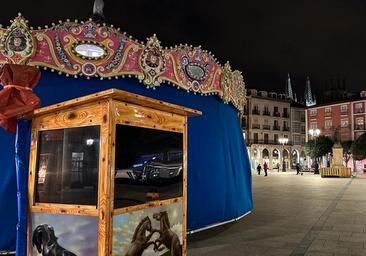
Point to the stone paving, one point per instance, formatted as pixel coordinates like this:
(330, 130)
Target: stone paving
(294, 215)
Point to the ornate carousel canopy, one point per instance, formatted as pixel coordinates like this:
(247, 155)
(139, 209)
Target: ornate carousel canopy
(93, 50)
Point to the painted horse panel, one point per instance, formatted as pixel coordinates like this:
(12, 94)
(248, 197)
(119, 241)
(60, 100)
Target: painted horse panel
(154, 231)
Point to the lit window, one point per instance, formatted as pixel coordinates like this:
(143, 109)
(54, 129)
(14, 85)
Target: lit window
(359, 121)
(344, 123)
(344, 108)
(328, 124)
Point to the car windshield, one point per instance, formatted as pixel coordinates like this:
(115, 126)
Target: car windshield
(175, 155)
(145, 158)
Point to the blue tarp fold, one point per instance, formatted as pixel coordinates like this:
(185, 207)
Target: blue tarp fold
(21, 164)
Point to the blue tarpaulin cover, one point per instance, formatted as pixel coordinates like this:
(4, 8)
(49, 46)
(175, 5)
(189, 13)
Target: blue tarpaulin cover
(219, 177)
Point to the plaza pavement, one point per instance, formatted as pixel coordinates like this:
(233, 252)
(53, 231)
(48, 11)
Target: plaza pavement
(293, 215)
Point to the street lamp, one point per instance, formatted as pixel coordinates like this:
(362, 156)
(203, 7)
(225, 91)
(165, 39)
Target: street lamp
(315, 133)
(283, 141)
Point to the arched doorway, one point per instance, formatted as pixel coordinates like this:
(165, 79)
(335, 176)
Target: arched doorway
(302, 159)
(254, 158)
(295, 158)
(265, 155)
(276, 159)
(285, 160)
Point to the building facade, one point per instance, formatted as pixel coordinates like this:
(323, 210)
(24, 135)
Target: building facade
(298, 133)
(347, 118)
(270, 117)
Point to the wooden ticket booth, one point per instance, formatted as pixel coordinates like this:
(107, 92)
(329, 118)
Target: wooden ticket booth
(107, 176)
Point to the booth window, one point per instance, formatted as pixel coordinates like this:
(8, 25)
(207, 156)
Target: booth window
(149, 165)
(68, 166)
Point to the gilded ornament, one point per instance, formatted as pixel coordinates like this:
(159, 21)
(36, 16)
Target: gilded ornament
(152, 62)
(17, 42)
(226, 83)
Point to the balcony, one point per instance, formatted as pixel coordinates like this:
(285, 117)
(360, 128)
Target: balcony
(359, 127)
(285, 115)
(345, 127)
(266, 127)
(266, 113)
(276, 128)
(256, 126)
(359, 110)
(286, 129)
(266, 142)
(256, 112)
(276, 114)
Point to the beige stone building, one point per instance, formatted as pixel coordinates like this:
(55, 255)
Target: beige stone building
(270, 117)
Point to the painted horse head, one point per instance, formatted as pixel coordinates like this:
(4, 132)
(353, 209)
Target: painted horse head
(45, 240)
(163, 218)
(43, 235)
(142, 227)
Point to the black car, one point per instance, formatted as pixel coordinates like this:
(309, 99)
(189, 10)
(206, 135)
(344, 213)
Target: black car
(166, 168)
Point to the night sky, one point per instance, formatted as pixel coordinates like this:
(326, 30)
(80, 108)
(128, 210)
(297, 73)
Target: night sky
(324, 39)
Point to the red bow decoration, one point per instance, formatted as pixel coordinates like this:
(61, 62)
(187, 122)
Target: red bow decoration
(17, 97)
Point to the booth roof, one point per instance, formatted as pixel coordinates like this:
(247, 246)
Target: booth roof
(122, 96)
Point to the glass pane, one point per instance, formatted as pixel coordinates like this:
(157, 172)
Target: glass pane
(149, 165)
(68, 166)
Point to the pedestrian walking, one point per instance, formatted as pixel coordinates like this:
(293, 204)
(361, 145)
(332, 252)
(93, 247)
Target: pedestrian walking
(297, 169)
(259, 168)
(278, 167)
(265, 168)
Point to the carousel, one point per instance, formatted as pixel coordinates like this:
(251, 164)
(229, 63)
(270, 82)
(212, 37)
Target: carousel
(113, 146)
